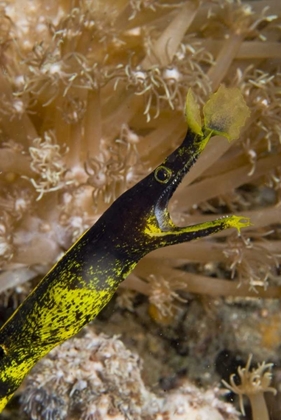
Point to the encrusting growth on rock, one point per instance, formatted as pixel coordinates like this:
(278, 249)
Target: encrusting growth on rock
(96, 377)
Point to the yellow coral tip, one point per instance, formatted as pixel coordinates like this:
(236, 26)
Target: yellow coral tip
(192, 113)
(226, 112)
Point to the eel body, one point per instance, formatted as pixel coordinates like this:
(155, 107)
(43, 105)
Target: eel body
(82, 282)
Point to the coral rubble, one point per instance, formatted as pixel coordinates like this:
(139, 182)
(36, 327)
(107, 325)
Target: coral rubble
(95, 377)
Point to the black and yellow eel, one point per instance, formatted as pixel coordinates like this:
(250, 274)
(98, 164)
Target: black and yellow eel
(82, 282)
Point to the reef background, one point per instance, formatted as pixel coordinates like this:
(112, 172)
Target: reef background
(91, 99)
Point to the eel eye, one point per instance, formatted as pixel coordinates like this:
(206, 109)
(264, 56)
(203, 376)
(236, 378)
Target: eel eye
(162, 174)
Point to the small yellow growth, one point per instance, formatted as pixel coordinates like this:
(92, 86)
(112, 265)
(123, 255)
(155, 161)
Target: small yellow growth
(225, 112)
(10, 177)
(160, 317)
(270, 329)
(192, 114)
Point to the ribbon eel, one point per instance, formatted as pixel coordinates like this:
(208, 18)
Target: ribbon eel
(83, 281)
